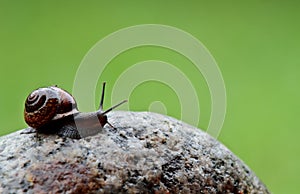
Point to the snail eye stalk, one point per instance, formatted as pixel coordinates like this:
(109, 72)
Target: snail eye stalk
(102, 101)
(102, 96)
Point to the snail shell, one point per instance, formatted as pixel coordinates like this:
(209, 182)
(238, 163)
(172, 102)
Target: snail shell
(48, 104)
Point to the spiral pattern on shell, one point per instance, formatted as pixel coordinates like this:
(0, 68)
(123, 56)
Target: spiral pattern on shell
(46, 104)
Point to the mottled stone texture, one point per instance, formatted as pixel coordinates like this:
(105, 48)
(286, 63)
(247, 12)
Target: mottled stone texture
(147, 153)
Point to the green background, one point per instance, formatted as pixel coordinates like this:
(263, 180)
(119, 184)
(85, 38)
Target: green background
(256, 46)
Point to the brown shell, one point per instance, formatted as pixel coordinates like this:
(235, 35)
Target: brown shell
(67, 104)
(47, 104)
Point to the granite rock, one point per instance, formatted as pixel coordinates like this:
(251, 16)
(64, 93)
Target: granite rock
(146, 153)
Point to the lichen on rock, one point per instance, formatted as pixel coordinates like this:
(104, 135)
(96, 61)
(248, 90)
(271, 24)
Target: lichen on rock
(146, 153)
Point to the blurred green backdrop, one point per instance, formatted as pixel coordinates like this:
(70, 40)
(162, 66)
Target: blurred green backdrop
(256, 46)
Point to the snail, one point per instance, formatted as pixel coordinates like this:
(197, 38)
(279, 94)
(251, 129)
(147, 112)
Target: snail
(53, 110)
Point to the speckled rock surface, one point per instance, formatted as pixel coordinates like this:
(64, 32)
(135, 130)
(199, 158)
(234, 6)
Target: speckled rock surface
(148, 153)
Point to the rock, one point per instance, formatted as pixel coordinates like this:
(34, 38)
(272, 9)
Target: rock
(147, 153)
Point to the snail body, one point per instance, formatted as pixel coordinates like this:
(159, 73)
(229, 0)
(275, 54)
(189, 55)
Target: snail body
(52, 110)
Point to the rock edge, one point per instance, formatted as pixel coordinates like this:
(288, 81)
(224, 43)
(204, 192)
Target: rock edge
(148, 153)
